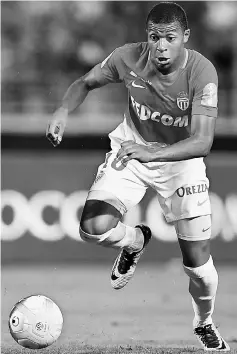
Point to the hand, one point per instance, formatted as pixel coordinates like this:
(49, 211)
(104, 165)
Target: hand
(130, 150)
(55, 128)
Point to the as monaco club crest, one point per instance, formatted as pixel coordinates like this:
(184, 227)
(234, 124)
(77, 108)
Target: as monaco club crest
(182, 101)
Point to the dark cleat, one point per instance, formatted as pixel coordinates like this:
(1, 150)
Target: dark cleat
(210, 338)
(125, 264)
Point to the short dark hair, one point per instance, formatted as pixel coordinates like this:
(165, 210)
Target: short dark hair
(167, 12)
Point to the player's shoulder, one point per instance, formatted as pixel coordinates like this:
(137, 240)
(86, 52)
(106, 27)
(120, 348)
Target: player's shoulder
(200, 69)
(197, 62)
(132, 50)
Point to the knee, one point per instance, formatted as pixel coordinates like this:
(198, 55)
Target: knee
(97, 225)
(98, 217)
(204, 279)
(98, 231)
(90, 230)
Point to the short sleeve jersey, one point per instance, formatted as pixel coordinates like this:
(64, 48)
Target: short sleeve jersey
(160, 111)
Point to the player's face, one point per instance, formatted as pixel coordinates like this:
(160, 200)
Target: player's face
(166, 42)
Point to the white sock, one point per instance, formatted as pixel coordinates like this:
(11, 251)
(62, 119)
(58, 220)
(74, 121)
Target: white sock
(127, 237)
(136, 238)
(202, 287)
(121, 236)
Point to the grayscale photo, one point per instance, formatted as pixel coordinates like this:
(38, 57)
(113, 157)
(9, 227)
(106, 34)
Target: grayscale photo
(118, 177)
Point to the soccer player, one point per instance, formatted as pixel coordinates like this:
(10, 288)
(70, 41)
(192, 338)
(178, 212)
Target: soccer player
(168, 129)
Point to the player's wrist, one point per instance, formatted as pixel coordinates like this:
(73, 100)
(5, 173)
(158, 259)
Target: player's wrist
(63, 110)
(61, 114)
(156, 155)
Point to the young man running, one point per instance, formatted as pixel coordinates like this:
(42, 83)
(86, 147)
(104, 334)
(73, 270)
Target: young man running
(168, 128)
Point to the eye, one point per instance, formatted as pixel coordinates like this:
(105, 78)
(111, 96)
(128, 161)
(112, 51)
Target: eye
(170, 38)
(153, 37)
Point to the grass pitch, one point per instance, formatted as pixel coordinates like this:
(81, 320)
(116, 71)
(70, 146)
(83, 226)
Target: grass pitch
(76, 349)
(152, 314)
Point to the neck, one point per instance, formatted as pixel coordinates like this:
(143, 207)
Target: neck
(182, 59)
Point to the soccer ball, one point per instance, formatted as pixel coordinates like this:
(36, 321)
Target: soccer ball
(35, 322)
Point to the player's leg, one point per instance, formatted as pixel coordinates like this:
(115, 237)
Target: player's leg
(198, 265)
(194, 240)
(101, 223)
(190, 210)
(115, 190)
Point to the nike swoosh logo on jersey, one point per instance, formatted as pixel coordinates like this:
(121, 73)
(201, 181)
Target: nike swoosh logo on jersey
(204, 230)
(201, 203)
(135, 85)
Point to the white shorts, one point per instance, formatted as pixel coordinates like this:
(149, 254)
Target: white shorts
(181, 187)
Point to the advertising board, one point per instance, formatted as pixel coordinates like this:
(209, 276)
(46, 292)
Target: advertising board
(43, 196)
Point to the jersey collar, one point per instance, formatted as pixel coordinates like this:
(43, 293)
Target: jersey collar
(186, 59)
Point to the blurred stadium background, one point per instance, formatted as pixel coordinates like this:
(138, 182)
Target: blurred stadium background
(45, 46)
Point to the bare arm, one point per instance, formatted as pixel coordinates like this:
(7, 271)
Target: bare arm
(197, 145)
(73, 98)
(79, 89)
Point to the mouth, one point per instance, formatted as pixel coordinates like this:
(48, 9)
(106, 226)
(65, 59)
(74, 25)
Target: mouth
(162, 60)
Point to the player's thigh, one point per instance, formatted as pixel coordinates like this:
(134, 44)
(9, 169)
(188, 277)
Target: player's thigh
(116, 184)
(115, 190)
(187, 201)
(99, 217)
(194, 239)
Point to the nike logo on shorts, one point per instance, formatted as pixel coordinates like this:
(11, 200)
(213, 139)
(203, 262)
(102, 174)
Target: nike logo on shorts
(139, 86)
(204, 230)
(201, 203)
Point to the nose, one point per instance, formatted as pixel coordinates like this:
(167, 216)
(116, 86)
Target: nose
(161, 45)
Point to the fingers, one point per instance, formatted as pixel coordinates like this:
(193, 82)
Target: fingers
(130, 150)
(54, 133)
(129, 157)
(123, 152)
(127, 152)
(127, 143)
(55, 140)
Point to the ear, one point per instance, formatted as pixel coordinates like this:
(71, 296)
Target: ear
(186, 35)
